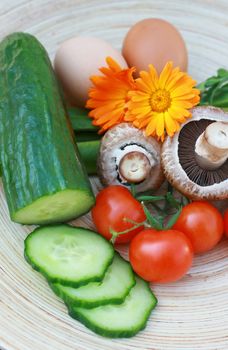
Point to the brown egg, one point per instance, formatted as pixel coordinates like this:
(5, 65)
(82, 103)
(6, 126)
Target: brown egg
(154, 41)
(77, 59)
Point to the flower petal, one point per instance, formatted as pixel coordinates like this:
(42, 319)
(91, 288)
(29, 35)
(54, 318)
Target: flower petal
(160, 125)
(142, 84)
(165, 75)
(113, 65)
(170, 124)
(153, 76)
(109, 95)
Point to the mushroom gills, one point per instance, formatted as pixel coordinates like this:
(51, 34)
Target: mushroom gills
(188, 159)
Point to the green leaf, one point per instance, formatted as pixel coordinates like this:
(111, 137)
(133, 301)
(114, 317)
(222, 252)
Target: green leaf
(214, 90)
(219, 96)
(222, 72)
(201, 86)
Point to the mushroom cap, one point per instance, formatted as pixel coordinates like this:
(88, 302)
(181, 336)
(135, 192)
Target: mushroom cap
(174, 154)
(120, 140)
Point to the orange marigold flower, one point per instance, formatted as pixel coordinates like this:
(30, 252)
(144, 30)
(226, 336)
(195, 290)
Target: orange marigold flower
(109, 96)
(161, 103)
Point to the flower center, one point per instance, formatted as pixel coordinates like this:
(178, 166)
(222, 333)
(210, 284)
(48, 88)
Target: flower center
(160, 100)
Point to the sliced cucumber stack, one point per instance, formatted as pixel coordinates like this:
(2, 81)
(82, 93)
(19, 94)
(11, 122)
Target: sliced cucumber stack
(97, 284)
(117, 282)
(72, 256)
(117, 321)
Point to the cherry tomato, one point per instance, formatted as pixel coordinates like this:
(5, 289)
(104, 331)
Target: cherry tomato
(225, 218)
(113, 205)
(202, 223)
(161, 256)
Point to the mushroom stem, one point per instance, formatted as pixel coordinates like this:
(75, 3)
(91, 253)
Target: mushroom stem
(211, 147)
(134, 167)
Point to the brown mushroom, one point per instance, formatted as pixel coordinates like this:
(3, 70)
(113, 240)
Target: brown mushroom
(195, 160)
(128, 156)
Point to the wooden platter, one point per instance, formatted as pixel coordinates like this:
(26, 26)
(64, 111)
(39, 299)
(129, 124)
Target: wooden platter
(191, 314)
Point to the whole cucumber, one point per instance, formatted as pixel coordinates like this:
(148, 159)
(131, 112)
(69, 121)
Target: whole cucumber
(80, 120)
(43, 178)
(86, 136)
(89, 151)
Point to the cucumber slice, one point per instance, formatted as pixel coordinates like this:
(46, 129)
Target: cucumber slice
(68, 255)
(117, 282)
(118, 321)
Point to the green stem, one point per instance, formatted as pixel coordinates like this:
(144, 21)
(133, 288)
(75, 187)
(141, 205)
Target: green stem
(132, 221)
(133, 190)
(150, 198)
(185, 201)
(155, 223)
(115, 234)
(170, 188)
(173, 219)
(171, 200)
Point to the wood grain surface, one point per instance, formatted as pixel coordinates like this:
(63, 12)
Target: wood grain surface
(192, 313)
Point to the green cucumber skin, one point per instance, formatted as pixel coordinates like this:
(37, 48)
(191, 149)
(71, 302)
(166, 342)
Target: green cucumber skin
(89, 152)
(82, 136)
(59, 280)
(80, 120)
(90, 305)
(107, 333)
(87, 305)
(37, 150)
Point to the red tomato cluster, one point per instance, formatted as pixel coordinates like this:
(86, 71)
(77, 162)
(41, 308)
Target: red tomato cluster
(158, 256)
